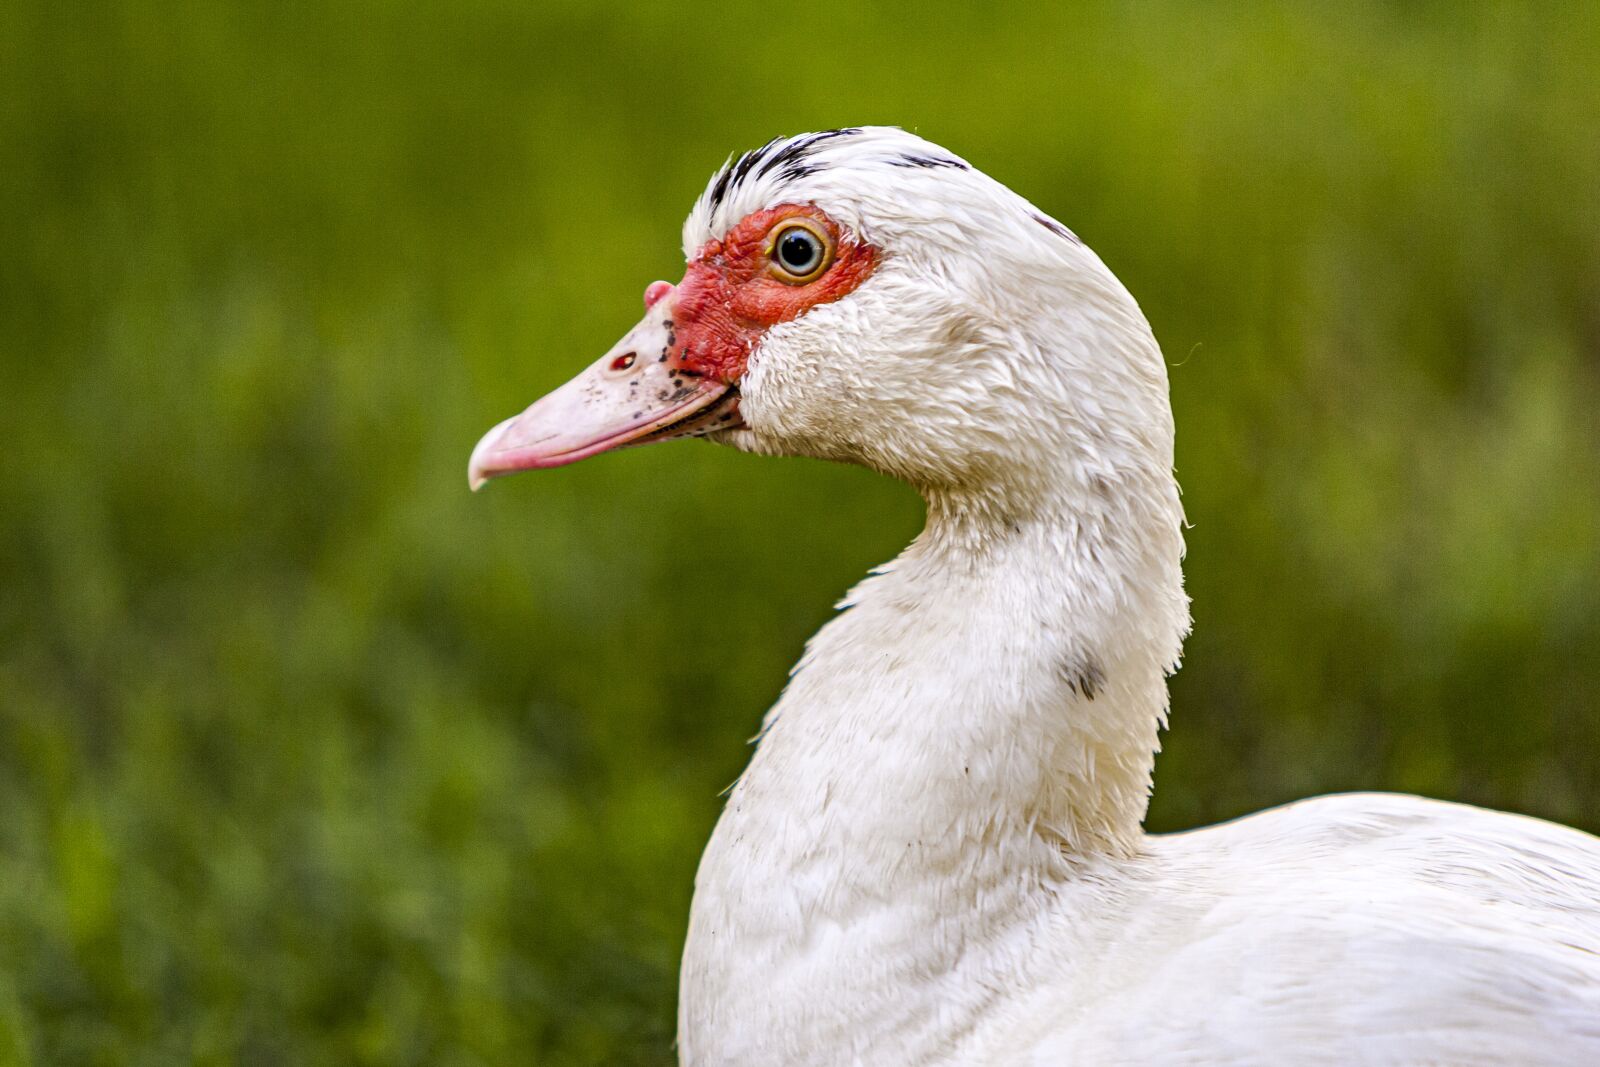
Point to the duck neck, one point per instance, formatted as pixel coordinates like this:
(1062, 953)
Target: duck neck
(975, 727)
(1054, 620)
(1005, 674)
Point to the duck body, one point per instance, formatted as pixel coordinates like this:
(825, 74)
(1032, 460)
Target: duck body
(1346, 930)
(862, 903)
(936, 854)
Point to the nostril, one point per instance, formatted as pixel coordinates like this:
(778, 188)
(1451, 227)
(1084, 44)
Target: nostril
(624, 361)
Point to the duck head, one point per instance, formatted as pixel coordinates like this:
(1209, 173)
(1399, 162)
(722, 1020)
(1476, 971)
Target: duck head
(866, 296)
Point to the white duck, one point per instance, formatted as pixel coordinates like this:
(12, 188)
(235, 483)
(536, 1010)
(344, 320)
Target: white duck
(935, 856)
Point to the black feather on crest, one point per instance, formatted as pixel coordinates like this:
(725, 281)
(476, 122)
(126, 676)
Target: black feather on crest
(1056, 228)
(788, 156)
(928, 162)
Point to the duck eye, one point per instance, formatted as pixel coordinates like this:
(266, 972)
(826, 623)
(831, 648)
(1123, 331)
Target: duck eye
(800, 252)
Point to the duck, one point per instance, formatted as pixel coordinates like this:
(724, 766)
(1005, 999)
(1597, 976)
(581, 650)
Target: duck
(936, 853)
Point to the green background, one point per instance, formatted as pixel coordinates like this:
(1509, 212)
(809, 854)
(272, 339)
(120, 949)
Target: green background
(307, 756)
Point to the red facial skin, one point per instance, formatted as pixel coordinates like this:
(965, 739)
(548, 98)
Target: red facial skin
(729, 296)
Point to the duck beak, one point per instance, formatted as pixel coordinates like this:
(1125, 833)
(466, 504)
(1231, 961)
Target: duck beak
(637, 393)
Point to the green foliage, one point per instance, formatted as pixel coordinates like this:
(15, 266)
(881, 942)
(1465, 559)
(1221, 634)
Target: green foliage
(309, 757)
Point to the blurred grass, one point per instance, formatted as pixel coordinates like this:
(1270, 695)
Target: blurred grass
(308, 757)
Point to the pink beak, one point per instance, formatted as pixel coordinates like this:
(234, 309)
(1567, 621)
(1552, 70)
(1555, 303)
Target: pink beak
(635, 394)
